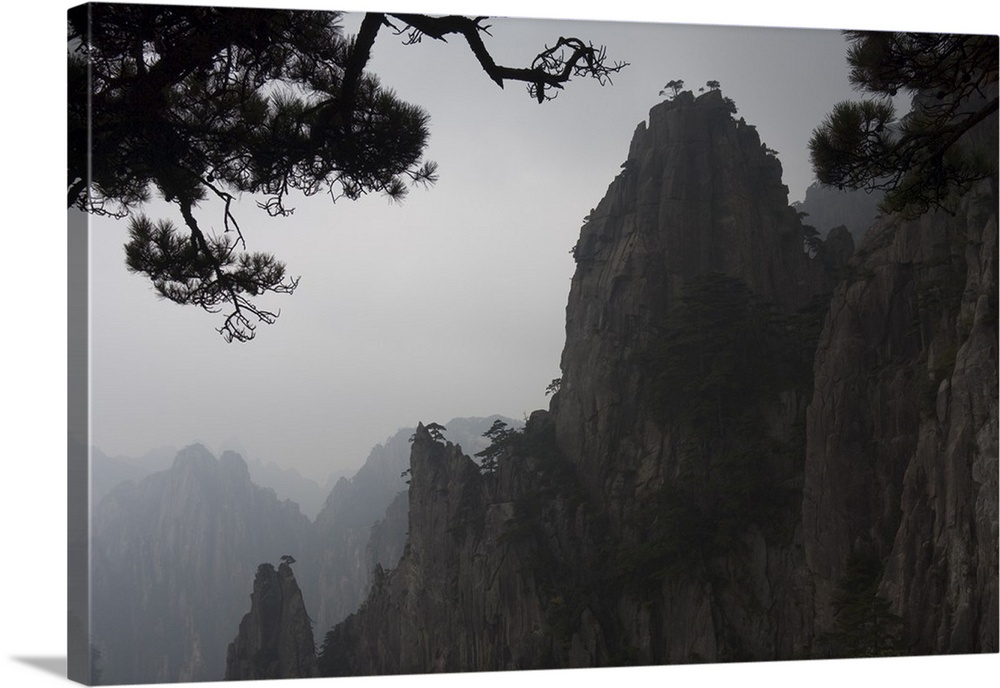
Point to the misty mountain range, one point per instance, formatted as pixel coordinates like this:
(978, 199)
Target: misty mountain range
(176, 542)
(287, 482)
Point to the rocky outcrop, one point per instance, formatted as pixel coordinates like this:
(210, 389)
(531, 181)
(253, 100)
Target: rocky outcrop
(175, 551)
(692, 250)
(275, 639)
(463, 594)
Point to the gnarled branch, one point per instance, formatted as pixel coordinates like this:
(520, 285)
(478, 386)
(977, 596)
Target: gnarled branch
(550, 69)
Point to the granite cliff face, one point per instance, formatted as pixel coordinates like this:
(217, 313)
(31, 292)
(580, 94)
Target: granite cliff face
(737, 465)
(463, 594)
(700, 196)
(275, 639)
(902, 449)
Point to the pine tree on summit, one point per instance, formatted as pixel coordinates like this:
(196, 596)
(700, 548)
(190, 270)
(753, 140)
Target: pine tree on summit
(674, 86)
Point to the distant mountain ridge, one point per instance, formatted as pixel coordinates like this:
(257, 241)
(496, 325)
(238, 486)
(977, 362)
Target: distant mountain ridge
(108, 471)
(287, 482)
(827, 208)
(172, 557)
(175, 553)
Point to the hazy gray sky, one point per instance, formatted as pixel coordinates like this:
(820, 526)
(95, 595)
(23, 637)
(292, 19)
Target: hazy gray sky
(453, 302)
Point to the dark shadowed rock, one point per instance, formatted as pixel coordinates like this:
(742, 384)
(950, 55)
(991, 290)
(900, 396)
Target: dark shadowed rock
(275, 639)
(347, 523)
(902, 427)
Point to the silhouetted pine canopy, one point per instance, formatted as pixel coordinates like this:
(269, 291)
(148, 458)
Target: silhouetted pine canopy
(197, 103)
(920, 158)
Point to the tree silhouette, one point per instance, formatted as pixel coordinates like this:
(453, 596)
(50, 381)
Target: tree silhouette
(712, 85)
(918, 160)
(500, 436)
(436, 431)
(674, 86)
(199, 103)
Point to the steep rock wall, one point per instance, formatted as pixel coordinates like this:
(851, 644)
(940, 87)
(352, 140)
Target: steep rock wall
(699, 195)
(456, 601)
(902, 427)
(355, 512)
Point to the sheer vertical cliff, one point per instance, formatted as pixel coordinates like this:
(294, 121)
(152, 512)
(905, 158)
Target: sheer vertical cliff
(901, 464)
(349, 545)
(700, 196)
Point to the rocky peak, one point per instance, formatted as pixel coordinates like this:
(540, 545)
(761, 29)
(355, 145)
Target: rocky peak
(235, 466)
(194, 457)
(172, 556)
(275, 638)
(699, 195)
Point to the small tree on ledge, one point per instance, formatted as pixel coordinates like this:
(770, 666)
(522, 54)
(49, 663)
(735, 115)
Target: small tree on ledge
(674, 86)
(500, 436)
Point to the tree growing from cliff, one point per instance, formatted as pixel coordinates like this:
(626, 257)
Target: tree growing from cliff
(919, 159)
(436, 431)
(500, 436)
(199, 103)
(674, 87)
(864, 624)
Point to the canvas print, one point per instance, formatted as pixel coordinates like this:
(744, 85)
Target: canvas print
(404, 343)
